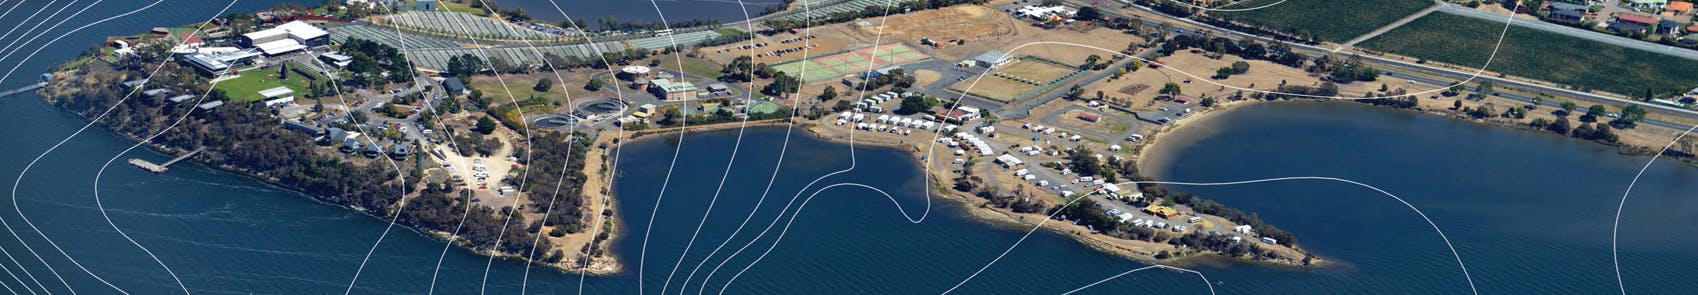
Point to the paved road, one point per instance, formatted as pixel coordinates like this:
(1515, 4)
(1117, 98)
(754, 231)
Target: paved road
(1574, 32)
(1543, 103)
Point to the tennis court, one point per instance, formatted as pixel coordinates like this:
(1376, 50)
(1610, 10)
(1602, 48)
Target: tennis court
(850, 62)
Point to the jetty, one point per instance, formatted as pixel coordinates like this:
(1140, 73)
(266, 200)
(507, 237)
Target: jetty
(161, 168)
(26, 88)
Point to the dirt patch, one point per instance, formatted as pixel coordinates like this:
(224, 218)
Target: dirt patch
(995, 88)
(969, 22)
(926, 77)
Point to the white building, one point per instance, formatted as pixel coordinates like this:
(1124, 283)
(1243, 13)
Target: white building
(285, 38)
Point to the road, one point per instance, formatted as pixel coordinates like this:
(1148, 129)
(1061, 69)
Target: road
(1024, 107)
(1399, 65)
(1543, 103)
(1574, 32)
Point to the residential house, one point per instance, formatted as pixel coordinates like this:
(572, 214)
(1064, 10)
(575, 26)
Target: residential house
(1633, 22)
(1567, 11)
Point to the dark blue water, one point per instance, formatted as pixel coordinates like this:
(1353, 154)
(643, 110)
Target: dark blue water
(1530, 213)
(591, 11)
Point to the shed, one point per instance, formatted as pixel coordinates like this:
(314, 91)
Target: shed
(454, 86)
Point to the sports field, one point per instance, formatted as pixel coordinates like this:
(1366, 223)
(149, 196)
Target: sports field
(1009, 82)
(854, 61)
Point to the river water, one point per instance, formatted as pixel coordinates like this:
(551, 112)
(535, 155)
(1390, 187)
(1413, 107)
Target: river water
(1530, 213)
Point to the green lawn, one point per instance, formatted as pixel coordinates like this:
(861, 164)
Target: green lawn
(699, 67)
(1540, 55)
(728, 31)
(246, 87)
(1326, 20)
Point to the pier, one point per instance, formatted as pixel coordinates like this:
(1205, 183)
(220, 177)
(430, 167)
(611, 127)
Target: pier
(26, 88)
(161, 168)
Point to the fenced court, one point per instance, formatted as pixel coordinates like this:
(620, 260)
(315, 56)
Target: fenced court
(851, 62)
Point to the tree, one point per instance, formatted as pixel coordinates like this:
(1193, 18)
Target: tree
(485, 125)
(915, 104)
(1081, 161)
(1593, 112)
(1485, 88)
(1457, 105)
(543, 85)
(593, 85)
(830, 93)
(1568, 107)
(1087, 13)
(1170, 88)
(1240, 67)
(1560, 126)
(1630, 115)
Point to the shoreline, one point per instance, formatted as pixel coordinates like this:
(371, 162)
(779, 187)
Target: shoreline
(1137, 250)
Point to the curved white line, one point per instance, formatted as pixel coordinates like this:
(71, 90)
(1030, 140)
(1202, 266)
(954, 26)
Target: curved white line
(1110, 278)
(1227, 9)
(684, 125)
(1615, 226)
(21, 174)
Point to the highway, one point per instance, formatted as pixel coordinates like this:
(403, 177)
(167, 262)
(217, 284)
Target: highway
(1542, 103)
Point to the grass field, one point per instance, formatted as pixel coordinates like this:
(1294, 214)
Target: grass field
(245, 88)
(696, 66)
(1539, 55)
(994, 87)
(1040, 71)
(1326, 20)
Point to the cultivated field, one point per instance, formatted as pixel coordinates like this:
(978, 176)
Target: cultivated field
(462, 25)
(1326, 20)
(1561, 59)
(855, 61)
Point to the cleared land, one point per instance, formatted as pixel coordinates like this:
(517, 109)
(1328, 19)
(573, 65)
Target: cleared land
(995, 88)
(970, 22)
(1557, 58)
(1326, 20)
